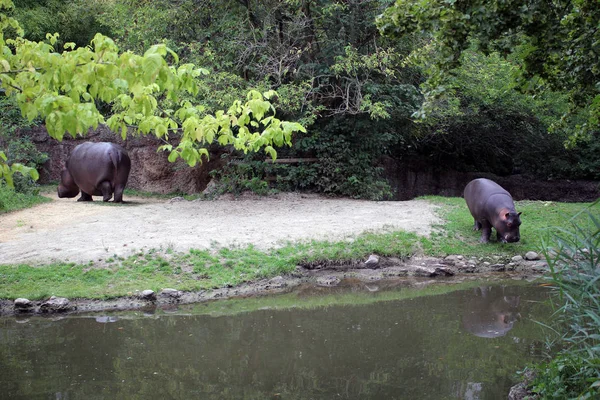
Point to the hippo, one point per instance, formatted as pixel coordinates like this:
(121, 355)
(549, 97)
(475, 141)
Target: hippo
(97, 169)
(492, 206)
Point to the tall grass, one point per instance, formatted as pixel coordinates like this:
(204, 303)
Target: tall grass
(574, 261)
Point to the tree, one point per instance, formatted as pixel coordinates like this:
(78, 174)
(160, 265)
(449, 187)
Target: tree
(558, 41)
(143, 92)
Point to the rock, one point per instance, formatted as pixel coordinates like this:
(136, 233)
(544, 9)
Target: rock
(148, 295)
(328, 281)
(395, 271)
(532, 256)
(172, 293)
(521, 391)
(56, 304)
(443, 270)
(453, 258)
(23, 305)
(469, 269)
(176, 199)
(277, 282)
(517, 259)
(424, 271)
(497, 267)
(511, 266)
(372, 261)
(540, 266)
(486, 264)
(211, 187)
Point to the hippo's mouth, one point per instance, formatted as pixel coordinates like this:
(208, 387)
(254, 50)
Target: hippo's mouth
(510, 239)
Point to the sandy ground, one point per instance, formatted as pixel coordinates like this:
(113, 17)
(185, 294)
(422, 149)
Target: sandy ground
(66, 230)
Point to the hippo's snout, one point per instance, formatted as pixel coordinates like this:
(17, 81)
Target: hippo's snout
(510, 238)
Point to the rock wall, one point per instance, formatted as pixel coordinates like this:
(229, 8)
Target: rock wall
(412, 178)
(150, 171)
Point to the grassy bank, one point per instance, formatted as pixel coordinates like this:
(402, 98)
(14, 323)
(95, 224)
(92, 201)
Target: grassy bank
(218, 267)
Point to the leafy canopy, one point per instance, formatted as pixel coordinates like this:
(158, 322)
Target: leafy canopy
(558, 41)
(144, 92)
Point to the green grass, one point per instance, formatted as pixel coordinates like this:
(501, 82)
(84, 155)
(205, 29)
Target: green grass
(456, 235)
(218, 267)
(12, 201)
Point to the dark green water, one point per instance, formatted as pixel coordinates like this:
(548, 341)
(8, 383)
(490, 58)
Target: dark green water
(427, 347)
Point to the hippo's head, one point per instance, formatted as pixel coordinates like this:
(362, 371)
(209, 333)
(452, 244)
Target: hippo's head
(507, 228)
(67, 186)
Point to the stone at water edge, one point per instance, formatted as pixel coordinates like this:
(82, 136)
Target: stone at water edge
(22, 304)
(277, 282)
(148, 295)
(532, 256)
(56, 304)
(168, 292)
(517, 258)
(372, 261)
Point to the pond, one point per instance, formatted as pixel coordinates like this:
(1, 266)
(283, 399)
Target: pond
(359, 341)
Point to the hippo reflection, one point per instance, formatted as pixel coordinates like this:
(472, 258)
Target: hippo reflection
(490, 312)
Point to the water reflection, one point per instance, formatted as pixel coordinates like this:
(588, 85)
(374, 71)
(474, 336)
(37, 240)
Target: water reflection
(491, 312)
(106, 319)
(413, 348)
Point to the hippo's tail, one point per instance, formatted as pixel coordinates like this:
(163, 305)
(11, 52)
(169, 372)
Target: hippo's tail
(122, 164)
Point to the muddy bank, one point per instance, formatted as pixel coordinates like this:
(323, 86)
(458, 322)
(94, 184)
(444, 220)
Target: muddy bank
(373, 275)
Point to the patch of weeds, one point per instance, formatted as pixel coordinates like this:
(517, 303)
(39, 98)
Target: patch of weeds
(10, 200)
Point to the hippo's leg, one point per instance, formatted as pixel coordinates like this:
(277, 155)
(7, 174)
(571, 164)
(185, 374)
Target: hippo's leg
(486, 232)
(499, 237)
(119, 188)
(477, 226)
(106, 189)
(85, 197)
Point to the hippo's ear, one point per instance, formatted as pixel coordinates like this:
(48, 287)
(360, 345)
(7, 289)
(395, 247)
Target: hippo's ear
(519, 214)
(506, 215)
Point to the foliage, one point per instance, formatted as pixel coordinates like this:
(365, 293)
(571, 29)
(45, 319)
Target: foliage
(10, 121)
(574, 260)
(63, 89)
(539, 32)
(245, 175)
(11, 200)
(483, 124)
(75, 21)
(347, 163)
(22, 151)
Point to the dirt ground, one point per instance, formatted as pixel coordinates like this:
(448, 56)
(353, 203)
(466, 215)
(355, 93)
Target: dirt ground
(66, 230)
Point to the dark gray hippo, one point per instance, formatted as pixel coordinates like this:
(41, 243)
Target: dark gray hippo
(492, 206)
(97, 169)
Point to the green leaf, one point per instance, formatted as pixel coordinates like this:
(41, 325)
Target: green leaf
(173, 156)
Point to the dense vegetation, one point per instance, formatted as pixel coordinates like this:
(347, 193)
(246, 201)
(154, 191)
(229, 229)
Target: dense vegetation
(357, 92)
